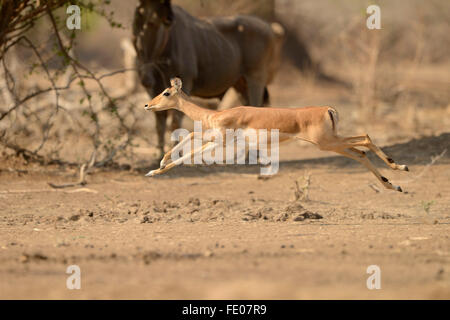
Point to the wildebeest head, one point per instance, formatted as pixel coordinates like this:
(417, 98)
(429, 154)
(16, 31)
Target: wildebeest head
(157, 11)
(145, 72)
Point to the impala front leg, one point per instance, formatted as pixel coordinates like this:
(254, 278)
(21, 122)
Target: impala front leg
(177, 148)
(207, 146)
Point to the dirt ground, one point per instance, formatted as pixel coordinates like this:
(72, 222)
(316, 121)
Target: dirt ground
(219, 232)
(309, 232)
(222, 233)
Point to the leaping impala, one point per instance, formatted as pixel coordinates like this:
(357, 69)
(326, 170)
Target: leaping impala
(317, 125)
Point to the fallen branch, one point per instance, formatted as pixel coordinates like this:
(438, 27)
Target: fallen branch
(47, 190)
(424, 170)
(83, 171)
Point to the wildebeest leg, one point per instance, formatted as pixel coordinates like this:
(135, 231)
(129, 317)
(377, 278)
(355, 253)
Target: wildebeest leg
(255, 91)
(266, 98)
(161, 118)
(175, 124)
(241, 89)
(255, 97)
(231, 98)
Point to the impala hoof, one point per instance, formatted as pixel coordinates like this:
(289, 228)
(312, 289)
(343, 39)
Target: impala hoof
(398, 189)
(151, 173)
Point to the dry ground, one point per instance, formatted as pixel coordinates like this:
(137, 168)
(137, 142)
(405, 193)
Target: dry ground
(219, 232)
(222, 233)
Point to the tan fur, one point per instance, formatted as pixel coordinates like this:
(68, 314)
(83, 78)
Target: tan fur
(317, 125)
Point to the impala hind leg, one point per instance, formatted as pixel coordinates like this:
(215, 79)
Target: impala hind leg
(365, 141)
(361, 157)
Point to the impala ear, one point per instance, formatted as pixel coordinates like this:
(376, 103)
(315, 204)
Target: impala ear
(176, 83)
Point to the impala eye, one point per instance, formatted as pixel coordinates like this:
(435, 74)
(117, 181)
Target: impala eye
(166, 94)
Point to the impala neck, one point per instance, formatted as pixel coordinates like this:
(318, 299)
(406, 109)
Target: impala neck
(195, 112)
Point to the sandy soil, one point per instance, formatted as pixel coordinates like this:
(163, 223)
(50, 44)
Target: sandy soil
(222, 233)
(219, 232)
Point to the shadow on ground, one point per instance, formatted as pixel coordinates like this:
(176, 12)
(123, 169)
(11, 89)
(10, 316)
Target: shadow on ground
(414, 152)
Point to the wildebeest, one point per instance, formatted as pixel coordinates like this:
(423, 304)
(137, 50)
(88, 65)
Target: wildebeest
(209, 55)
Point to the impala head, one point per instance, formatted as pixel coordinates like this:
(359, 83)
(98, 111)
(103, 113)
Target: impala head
(168, 99)
(156, 11)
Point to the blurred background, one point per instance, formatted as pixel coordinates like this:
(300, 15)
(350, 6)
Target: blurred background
(392, 83)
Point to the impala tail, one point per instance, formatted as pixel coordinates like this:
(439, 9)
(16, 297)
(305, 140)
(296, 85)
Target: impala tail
(334, 116)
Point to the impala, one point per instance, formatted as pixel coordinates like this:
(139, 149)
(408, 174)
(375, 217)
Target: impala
(317, 125)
